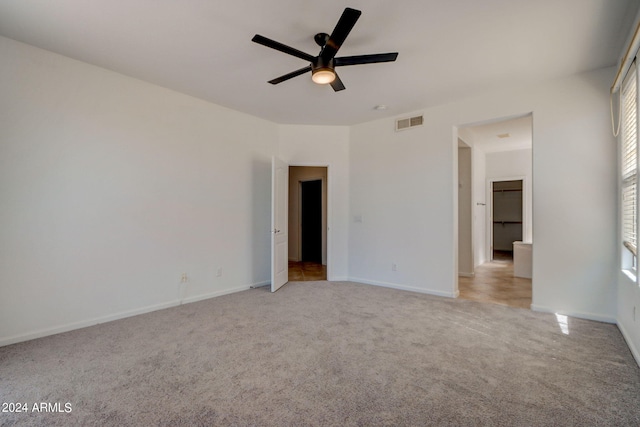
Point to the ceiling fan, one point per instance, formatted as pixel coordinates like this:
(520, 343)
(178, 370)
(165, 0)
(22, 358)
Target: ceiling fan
(322, 67)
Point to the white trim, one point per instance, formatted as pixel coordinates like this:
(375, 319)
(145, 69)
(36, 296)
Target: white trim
(630, 275)
(578, 314)
(117, 316)
(630, 344)
(467, 274)
(403, 287)
(223, 292)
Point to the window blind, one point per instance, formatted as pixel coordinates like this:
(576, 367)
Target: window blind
(629, 166)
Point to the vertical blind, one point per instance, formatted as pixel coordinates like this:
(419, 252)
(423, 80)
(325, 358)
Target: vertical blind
(629, 166)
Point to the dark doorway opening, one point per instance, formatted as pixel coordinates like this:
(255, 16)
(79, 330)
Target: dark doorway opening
(507, 218)
(311, 220)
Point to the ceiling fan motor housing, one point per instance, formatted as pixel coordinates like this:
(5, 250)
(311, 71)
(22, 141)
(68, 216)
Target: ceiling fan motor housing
(322, 71)
(320, 64)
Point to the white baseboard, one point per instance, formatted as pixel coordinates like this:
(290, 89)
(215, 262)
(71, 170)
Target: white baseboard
(339, 279)
(84, 323)
(578, 314)
(219, 293)
(466, 274)
(116, 316)
(630, 343)
(403, 287)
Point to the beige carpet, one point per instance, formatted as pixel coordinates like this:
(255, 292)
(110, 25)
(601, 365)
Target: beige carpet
(335, 354)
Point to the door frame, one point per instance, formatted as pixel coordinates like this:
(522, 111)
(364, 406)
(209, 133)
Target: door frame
(489, 198)
(329, 185)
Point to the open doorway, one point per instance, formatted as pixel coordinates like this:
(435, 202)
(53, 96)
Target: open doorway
(506, 217)
(501, 211)
(311, 221)
(308, 191)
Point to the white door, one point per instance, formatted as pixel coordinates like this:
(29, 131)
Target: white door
(279, 223)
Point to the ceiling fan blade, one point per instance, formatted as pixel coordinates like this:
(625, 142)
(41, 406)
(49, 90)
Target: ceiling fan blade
(340, 33)
(290, 75)
(282, 47)
(365, 59)
(337, 84)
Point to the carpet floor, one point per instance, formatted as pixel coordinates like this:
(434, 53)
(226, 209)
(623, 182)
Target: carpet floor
(327, 353)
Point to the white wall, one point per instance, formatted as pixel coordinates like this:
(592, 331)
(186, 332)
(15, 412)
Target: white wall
(111, 188)
(628, 315)
(402, 186)
(325, 146)
(504, 165)
(403, 205)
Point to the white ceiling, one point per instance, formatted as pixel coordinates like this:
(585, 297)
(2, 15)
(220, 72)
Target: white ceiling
(487, 136)
(447, 49)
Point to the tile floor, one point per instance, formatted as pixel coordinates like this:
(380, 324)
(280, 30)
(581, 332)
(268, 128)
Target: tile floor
(306, 271)
(494, 283)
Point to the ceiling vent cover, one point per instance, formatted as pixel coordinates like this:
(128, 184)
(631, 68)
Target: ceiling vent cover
(402, 124)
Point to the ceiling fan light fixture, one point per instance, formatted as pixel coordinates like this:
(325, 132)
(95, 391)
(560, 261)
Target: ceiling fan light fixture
(323, 75)
(322, 66)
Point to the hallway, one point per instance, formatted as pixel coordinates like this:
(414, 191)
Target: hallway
(494, 283)
(304, 271)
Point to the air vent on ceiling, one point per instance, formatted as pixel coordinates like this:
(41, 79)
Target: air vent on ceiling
(402, 124)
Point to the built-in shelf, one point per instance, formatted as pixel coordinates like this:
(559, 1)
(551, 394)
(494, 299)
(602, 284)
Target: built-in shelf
(507, 222)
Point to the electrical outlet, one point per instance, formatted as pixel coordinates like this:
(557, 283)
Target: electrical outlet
(219, 272)
(184, 278)
(394, 266)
